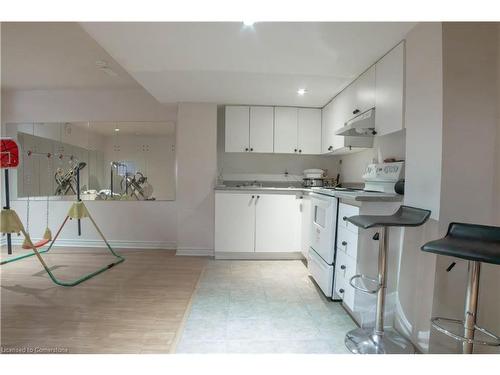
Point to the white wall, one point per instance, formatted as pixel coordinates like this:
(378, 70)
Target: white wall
(135, 224)
(84, 105)
(423, 122)
(497, 166)
(451, 126)
(196, 173)
(470, 98)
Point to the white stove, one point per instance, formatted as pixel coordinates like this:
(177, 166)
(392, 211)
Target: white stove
(379, 179)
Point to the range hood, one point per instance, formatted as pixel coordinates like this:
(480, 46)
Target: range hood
(362, 125)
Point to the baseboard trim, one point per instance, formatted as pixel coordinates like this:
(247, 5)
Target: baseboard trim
(260, 256)
(146, 245)
(186, 251)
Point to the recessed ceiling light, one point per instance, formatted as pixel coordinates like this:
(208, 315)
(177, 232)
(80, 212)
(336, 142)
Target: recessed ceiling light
(248, 23)
(117, 129)
(301, 91)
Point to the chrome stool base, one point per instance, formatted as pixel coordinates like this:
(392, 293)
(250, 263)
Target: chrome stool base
(365, 341)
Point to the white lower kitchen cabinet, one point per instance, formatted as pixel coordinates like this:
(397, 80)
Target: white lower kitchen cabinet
(277, 223)
(345, 268)
(305, 218)
(357, 253)
(257, 225)
(235, 222)
(347, 251)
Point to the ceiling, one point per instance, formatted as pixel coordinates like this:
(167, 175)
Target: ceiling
(228, 63)
(50, 55)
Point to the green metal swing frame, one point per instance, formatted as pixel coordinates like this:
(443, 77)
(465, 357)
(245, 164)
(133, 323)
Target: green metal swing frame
(77, 211)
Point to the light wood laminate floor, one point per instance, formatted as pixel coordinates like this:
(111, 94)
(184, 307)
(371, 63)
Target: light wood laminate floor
(135, 307)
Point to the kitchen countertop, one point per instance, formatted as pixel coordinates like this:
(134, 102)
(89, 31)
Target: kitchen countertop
(360, 196)
(263, 188)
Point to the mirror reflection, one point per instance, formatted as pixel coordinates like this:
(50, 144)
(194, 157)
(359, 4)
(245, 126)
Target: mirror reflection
(120, 161)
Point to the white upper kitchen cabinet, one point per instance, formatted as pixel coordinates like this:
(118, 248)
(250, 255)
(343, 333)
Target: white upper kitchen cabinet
(285, 130)
(363, 93)
(309, 131)
(277, 224)
(327, 128)
(261, 129)
(355, 99)
(334, 118)
(237, 121)
(235, 222)
(390, 92)
(343, 107)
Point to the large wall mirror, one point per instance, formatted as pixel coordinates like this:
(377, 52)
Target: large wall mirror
(114, 161)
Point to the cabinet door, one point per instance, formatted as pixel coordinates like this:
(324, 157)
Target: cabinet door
(363, 92)
(341, 109)
(309, 130)
(389, 92)
(261, 129)
(344, 106)
(349, 291)
(237, 122)
(327, 128)
(285, 130)
(234, 222)
(305, 212)
(340, 282)
(277, 223)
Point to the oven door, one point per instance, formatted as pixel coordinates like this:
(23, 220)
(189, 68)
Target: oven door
(323, 222)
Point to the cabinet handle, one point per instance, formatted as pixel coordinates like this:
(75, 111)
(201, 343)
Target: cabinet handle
(246, 149)
(253, 196)
(341, 291)
(342, 267)
(330, 148)
(251, 149)
(355, 112)
(258, 196)
(300, 150)
(344, 218)
(295, 150)
(344, 243)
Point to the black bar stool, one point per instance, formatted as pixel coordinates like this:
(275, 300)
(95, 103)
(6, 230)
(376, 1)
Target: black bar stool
(477, 244)
(378, 341)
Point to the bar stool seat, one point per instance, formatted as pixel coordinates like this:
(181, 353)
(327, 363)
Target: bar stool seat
(378, 340)
(477, 244)
(405, 216)
(468, 241)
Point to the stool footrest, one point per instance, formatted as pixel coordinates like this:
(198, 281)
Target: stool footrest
(436, 323)
(364, 290)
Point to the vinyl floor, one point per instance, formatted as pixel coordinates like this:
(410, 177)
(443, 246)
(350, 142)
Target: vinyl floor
(136, 307)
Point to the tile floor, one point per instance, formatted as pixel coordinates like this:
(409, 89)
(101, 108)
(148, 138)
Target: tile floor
(262, 307)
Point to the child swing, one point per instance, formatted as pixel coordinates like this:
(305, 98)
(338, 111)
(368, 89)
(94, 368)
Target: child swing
(47, 235)
(10, 222)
